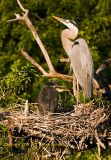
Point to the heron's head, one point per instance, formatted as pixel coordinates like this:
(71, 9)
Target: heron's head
(69, 23)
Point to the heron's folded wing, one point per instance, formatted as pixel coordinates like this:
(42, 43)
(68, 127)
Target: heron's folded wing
(86, 58)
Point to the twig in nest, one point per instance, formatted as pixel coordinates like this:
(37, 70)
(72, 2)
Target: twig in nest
(26, 109)
(98, 140)
(99, 143)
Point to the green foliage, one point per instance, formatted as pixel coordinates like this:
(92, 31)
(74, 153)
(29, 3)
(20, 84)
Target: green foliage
(16, 76)
(90, 155)
(3, 141)
(16, 81)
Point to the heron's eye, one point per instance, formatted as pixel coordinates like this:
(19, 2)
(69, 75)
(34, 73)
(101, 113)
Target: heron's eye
(76, 42)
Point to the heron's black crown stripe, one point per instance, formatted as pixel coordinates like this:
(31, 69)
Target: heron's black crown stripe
(71, 21)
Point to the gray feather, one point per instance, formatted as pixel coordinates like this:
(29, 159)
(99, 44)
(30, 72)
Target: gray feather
(82, 64)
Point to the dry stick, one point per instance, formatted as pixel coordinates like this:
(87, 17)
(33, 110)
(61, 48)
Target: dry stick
(32, 29)
(26, 109)
(98, 140)
(33, 62)
(65, 60)
(21, 6)
(51, 75)
(99, 143)
(34, 32)
(99, 151)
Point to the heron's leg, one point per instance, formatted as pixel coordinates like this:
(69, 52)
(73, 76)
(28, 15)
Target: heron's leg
(77, 96)
(71, 70)
(84, 97)
(74, 85)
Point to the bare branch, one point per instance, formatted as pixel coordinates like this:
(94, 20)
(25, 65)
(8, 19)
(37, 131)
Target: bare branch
(61, 76)
(26, 111)
(15, 19)
(33, 31)
(98, 140)
(25, 54)
(64, 60)
(51, 74)
(18, 17)
(21, 6)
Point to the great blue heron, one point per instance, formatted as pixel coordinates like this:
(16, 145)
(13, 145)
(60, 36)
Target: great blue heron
(79, 55)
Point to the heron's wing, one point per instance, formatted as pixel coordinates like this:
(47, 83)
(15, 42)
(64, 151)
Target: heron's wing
(85, 57)
(75, 61)
(82, 64)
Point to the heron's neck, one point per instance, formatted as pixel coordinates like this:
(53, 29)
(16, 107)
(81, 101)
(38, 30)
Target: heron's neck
(67, 37)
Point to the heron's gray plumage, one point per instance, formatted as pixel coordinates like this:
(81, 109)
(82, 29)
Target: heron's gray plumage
(79, 54)
(82, 64)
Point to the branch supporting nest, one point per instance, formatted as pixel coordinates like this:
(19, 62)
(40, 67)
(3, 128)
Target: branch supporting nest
(99, 143)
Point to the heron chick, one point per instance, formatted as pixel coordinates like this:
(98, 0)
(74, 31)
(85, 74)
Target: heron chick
(79, 54)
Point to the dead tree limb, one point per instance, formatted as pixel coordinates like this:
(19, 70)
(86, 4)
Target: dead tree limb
(33, 62)
(35, 34)
(45, 74)
(52, 73)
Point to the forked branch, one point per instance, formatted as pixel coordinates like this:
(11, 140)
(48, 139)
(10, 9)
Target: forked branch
(33, 62)
(52, 73)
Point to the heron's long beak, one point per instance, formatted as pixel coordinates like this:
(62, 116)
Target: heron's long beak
(60, 19)
(60, 89)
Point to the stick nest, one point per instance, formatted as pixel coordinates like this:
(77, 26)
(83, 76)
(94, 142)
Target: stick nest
(77, 130)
